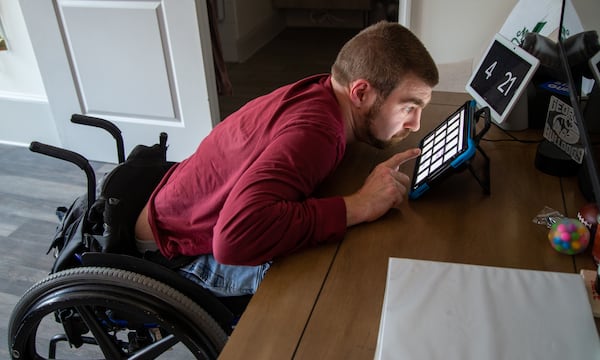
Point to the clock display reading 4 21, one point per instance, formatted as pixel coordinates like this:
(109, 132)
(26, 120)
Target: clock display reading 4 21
(504, 87)
(501, 77)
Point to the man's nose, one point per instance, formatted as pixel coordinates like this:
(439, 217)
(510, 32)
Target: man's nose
(414, 122)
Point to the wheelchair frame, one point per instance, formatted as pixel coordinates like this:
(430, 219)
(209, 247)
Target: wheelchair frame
(152, 303)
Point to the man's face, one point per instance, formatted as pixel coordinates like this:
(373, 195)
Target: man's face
(392, 119)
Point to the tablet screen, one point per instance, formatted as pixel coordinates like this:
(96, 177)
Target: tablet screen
(441, 146)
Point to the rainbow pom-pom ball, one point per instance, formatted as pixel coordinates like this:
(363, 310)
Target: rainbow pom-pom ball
(569, 236)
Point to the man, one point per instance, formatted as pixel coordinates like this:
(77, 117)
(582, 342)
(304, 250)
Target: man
(244, 197)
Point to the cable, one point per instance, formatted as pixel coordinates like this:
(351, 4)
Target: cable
(512, 138)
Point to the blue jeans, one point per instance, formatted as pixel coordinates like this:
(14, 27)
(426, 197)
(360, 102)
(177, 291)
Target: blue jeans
(224, 280)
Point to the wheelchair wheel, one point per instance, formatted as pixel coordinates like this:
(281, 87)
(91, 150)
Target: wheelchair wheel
(95, 312)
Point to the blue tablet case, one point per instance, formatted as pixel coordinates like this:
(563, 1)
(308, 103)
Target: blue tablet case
(448, 148)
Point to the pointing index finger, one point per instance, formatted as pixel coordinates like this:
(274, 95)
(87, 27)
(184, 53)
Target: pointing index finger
(400, 158)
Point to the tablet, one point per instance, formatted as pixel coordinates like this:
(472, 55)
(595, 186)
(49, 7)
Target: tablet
(595, 66)
(444, 149)
(501, 77)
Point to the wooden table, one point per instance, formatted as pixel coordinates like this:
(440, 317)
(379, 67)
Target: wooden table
(325, 303)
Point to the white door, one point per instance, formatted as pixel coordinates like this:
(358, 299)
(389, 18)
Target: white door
(145, 65)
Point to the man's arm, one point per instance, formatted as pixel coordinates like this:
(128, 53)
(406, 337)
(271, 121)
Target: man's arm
(270, 211)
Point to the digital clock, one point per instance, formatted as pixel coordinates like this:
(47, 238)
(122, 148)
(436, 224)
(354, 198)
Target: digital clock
(501, 77)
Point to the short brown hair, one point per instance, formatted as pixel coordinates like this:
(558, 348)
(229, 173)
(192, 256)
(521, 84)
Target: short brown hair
(383, 54)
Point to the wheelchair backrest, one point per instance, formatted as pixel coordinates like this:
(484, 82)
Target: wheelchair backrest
(108, 225)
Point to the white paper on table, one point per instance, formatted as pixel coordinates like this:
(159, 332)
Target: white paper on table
(437, 310)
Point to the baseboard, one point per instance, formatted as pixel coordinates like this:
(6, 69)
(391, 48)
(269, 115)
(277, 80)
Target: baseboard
(25, 119)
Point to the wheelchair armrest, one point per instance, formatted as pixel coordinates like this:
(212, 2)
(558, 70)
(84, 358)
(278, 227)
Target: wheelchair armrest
(198, 294)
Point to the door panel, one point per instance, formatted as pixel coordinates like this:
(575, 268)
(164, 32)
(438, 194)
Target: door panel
(138, 85)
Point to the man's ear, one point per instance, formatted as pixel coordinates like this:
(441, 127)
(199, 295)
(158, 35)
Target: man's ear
(361, 93)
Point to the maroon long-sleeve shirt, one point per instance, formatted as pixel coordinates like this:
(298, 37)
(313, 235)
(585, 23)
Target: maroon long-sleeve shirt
(245, 194)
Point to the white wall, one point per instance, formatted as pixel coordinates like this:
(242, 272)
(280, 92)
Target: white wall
(23, 102)
(18, 68)
(456, 33)
(459, 29)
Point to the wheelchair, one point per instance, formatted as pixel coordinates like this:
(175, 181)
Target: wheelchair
(103, 299)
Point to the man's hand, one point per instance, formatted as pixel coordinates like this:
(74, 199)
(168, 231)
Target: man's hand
(385, 188)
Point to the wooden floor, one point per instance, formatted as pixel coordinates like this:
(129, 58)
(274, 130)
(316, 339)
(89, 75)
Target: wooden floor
(32, 185)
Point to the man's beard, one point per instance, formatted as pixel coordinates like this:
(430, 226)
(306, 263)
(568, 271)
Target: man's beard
(366, 133)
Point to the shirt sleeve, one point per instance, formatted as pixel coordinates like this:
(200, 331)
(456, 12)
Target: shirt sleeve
(270, 211)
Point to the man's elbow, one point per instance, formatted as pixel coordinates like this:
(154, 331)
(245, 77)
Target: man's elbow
(225, 256)
(235, 254)
(242, 242)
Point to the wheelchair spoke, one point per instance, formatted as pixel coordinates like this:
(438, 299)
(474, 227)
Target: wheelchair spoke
(106, 342)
